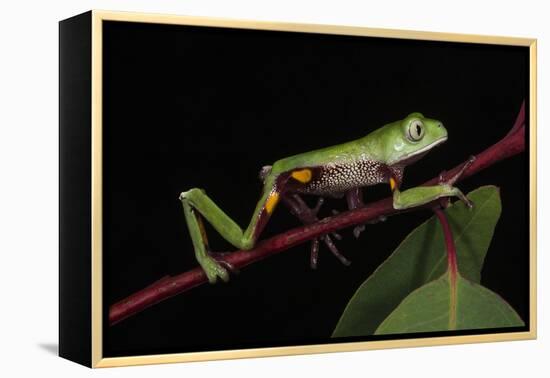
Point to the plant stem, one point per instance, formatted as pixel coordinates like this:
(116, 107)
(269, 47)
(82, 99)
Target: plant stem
(512, 144)
(452, 266)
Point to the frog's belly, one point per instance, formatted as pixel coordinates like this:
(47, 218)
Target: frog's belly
(338, 178)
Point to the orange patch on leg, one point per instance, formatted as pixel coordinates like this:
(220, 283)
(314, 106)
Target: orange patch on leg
(202, 230)
(303, 175)
(392, 183)
(271, 202)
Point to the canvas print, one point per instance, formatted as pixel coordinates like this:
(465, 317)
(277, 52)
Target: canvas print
(269, 188)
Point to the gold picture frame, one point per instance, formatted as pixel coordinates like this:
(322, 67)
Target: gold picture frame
(97, 18)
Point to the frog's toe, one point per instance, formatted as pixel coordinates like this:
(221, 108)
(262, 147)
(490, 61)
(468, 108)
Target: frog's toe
(463, 198)
(214, 270)
(314, 256)
(220, 259)
(468, 203)
(332, 247)
(357, 230)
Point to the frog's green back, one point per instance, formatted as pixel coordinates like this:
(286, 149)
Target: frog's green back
(365, 148)
(390, 144)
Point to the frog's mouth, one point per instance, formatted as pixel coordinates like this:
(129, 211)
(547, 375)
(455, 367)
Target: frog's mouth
(417, 155)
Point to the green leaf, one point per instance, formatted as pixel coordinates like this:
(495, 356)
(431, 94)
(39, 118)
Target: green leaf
(434, 307)
(421, 258)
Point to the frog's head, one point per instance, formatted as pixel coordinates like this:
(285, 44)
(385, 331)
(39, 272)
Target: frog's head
(406, 141)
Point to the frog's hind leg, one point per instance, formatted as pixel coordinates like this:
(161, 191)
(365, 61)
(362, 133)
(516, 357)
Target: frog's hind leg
(308, 215)
(211, 267)
(197, 205)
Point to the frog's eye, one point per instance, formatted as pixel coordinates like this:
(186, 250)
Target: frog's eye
(416, 130)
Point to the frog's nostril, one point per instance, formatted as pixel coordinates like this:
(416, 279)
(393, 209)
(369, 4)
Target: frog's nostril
(438, 125)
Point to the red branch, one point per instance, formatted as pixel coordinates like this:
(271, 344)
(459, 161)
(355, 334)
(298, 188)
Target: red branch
(512, 144)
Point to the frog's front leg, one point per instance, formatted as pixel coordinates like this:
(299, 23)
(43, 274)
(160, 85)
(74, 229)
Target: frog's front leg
(196, 205)
(424, 194)
(354, 198)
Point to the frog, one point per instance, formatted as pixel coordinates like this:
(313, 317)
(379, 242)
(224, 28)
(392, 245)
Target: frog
(379, 157)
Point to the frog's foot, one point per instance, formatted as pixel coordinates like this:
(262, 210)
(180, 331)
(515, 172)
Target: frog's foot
(452, 180)
(220, 259)
(215, 266)
(357, 230)
(314, 256)
(307, 216)
(213, 269)
(354, 198)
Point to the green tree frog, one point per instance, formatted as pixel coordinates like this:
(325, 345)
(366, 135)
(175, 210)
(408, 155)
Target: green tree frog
(379, 157)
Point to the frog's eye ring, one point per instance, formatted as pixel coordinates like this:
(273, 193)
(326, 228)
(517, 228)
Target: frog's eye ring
(416, 130)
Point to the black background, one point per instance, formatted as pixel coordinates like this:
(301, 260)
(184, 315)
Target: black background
(205, 107)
